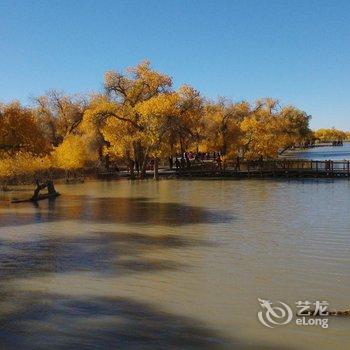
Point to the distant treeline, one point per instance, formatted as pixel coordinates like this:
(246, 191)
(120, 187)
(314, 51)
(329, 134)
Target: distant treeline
(141, 117)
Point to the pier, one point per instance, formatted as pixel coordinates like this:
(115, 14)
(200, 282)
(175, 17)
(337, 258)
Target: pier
(280, 168)
(269, 169)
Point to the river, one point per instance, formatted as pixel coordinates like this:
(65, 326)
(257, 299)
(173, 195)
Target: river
(322, 153)
(174, 264)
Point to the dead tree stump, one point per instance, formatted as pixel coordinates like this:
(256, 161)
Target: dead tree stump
(51, 191)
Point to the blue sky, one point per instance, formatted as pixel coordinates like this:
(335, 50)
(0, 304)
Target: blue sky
(296, 51)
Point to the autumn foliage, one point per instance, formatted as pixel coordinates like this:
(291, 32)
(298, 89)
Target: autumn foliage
(140, 116)
(329, 135)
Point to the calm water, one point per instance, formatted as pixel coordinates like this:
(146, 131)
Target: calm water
(174, 265)
(322, 153)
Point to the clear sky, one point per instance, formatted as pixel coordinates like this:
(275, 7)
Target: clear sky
(296, 51)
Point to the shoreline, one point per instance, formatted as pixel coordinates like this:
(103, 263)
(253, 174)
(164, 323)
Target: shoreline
(266, 169)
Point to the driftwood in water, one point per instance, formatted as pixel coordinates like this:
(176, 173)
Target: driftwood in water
(51, 192)
(339, 313)
(330, 313)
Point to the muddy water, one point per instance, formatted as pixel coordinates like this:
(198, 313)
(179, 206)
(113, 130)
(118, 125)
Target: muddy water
(174, 265)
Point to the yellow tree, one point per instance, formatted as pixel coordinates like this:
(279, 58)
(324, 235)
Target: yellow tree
(116, 114)
(294, 127)
(171, 120)
(190, 128)
(270, 129)
(23, 166)
(159, 117)
(73, 153)
(261, 131)
(222, 120)
(329, 135)
(19, 131)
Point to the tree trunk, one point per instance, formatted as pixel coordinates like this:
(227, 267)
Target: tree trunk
(284, 150)
(181, 146)
(51, 191)
(131, 165)
(155, 169)
(144, 163)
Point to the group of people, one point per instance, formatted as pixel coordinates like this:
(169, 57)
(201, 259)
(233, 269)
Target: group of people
(328, 165)
(186, 159)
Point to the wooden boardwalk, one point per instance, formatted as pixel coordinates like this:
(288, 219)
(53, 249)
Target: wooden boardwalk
(283, 168)
(267, 169)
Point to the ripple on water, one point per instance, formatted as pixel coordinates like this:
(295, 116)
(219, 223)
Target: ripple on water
(176, 262)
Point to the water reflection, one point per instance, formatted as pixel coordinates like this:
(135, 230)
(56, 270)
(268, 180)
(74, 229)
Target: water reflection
(106, 323)
(173, 264)
(42, 320)
(115, 253)
(112, 210)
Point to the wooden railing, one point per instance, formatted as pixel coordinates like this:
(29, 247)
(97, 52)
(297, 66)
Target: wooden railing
(278, 166)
